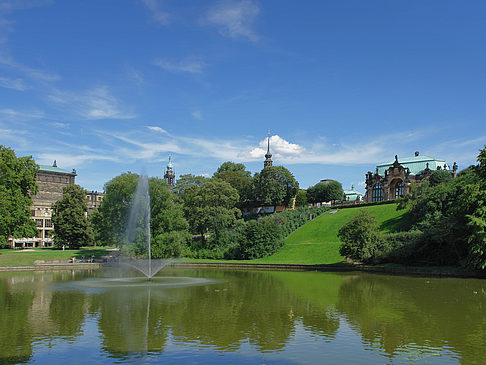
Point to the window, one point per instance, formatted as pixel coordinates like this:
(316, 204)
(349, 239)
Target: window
(48, 223)
(38, 222)
(32, 213)
(399, 189)
(88, 197)
(377, 193)
(46, 234)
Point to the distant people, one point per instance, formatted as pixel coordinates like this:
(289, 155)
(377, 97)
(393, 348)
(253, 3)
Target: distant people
(63, 247)
(73, 260)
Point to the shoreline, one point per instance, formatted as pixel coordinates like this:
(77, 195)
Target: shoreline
(402, 271)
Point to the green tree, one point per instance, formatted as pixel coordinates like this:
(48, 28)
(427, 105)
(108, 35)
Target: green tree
(301, 198)
(69, 216)
(325, 192)
(211, 207)
(438, 177)
(275, 185)
(166, 213)
(260, 238)
(17, 186)
(359, 236)
(111, 219)
(187, 181)
(236, 175)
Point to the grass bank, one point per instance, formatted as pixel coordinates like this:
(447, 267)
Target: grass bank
(317, 243)
(10, 257)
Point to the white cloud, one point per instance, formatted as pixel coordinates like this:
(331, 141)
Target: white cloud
(159, 16)
(197, 114)
(97, 103)
(65, 159)
(14, 84)
(157, 129)
(186, 65)
(279, 148)
(235, 19)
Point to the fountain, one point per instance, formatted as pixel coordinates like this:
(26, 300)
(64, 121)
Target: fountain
(138, 234)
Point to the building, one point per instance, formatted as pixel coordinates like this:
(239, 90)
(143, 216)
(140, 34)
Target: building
(352, 195)
(393, 179)
(94, 199)
(51, 181)
(169, 175)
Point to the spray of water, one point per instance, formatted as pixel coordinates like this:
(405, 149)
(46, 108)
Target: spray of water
(138, 233)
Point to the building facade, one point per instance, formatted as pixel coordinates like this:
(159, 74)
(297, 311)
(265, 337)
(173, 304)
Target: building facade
(51, 181)
(392, 180)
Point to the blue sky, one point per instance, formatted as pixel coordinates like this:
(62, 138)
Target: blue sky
(107, 87)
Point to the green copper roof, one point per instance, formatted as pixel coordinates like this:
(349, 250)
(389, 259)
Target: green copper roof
(416, 164)
(55, 169)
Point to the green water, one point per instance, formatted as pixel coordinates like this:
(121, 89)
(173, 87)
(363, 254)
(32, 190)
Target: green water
(240, 317)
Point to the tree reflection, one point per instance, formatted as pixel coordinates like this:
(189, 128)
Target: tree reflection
(393, 312)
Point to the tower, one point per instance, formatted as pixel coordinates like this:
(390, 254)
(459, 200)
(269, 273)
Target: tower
(169, 175)
(268, 156)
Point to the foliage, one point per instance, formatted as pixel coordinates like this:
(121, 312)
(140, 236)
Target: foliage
(111, 220)
(170, 244)
(166, 215)
(236, 175)
(187, 181)
(259, 239)
(69, 216)
(301, 198)
(276, 186)
(325, 192)
(17, 185)
(438, 177)
(211, 207)
(360, 237)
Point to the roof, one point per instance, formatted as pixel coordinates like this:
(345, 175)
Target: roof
(416, 164)
(55, 169)
(351, 192)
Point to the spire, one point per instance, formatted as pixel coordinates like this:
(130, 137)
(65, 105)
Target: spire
(169, 175)
(54, 164)
(268, 156)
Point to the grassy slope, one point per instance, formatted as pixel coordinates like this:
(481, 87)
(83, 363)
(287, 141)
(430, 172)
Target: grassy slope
(27, 257)
(317, 243)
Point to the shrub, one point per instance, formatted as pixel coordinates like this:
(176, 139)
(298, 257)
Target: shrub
(259, 239)
(170, 244)
(399, 247)
(360, 238)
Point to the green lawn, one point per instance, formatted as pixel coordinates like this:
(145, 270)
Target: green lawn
(9, 257)
(317, 243)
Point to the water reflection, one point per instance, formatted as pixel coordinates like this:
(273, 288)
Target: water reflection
(400, 318)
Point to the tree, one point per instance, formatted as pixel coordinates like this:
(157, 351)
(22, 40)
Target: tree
(166, 213)
(260, 239)
(111, 220)
(301, 198)
(69, 216)
(17, 186)
(236, 175)
(184, 182)
(275, 185)
(325, 192)
(211, 207)
(359, 236)
(438, 177)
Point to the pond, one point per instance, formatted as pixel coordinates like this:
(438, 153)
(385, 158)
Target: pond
(240, 317)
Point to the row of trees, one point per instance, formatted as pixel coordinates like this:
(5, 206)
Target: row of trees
(445, 224)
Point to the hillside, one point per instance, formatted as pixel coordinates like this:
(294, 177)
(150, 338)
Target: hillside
(317, 243)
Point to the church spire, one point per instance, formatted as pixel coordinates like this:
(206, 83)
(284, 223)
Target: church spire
(268, 156)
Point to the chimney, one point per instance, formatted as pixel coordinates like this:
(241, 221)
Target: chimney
(416, 153)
